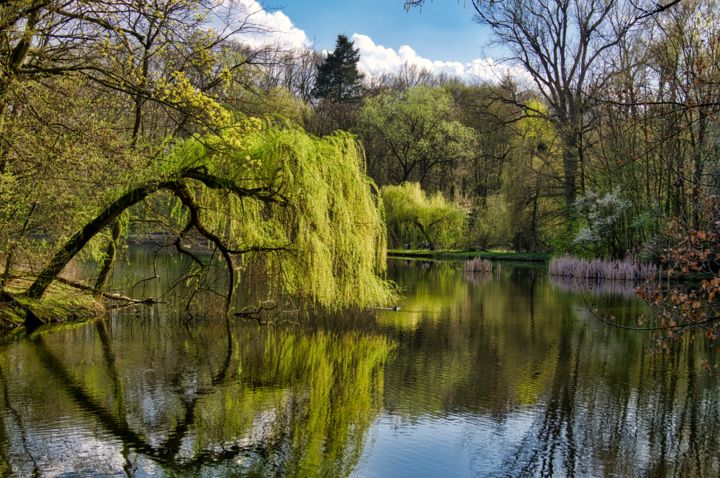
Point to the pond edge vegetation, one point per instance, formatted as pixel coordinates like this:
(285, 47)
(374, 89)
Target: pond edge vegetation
(258, 191)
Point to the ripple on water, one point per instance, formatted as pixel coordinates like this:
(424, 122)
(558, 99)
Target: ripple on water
(458, 444)
(501, 378)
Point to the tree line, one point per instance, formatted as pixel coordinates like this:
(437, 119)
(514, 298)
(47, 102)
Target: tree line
(610, 150)
(611, 131)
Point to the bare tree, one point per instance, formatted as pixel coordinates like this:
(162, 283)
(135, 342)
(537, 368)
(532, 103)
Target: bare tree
(561, 44)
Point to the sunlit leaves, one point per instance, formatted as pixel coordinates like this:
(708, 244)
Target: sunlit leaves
(412, 137)
(417, 219)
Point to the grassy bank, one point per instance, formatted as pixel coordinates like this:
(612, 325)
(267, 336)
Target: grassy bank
(539, 257)
(61, 303)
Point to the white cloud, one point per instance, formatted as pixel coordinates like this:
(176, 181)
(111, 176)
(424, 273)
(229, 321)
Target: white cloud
(275, 28)
(377, 60)
(269, 28)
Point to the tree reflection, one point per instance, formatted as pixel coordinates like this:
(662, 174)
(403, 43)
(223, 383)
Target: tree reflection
(597, 401)
(537, 386)
(239, 399)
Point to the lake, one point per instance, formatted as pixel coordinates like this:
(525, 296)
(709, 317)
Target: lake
(497, 374)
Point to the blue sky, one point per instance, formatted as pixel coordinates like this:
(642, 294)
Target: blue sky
(441, 30)
(441, 37)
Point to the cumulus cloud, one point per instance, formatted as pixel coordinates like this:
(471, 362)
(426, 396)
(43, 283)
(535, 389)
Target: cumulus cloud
(263, 27)
(378, 60)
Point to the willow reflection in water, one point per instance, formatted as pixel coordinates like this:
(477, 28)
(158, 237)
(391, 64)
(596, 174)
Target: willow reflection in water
(137, 396)
(503, 375)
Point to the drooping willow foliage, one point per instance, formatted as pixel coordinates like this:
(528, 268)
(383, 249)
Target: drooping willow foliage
(268, 194)
(416, 219)
(322, 217)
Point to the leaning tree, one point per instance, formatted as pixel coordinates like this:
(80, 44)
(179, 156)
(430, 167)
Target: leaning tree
(117, 110)
(257, 189)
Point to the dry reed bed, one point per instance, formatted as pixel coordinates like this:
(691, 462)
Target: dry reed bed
(626, 270)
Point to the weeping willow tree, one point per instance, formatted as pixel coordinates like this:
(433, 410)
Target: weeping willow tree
(261, 191)
(413, 217)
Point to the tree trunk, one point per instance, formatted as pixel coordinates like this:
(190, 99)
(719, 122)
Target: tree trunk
(127, 200)
(109, 260)
(535, 214)
(425, 234)
(82, 237)
(570, 168)
(31, 320)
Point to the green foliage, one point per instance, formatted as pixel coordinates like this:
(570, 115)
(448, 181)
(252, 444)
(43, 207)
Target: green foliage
(326, 214)
(519, 215)
(493, 124)
(276, 102)
(299, 205)
(314, 221)
(130, 121)
(413, 218)
(530, 179)
(411, 136)
(491, 224)
(338, 78)
(62, 158)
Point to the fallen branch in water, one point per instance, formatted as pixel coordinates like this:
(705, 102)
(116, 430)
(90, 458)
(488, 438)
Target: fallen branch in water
(107, 295)
(255, 313)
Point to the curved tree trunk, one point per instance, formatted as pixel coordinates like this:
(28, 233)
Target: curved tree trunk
(108, 261)
(76, 243)
(82, 237)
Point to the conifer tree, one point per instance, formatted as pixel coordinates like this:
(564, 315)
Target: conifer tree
(338, 78)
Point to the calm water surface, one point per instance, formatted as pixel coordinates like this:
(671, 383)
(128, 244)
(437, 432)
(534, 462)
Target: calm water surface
(504, 374)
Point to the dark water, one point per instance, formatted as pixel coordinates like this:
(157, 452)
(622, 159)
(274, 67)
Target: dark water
(482, 375)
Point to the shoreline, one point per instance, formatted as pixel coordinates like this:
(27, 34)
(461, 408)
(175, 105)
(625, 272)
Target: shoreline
(534, 257)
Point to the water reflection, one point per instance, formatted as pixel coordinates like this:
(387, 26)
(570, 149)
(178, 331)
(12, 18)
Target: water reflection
(522, 380)
(596, 287)
(148, 400)
(500, 376)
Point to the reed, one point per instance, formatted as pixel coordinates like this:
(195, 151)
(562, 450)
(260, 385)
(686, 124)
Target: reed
(594, 287)
(625, 270)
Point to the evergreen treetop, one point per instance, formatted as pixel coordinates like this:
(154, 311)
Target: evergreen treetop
(338, 77)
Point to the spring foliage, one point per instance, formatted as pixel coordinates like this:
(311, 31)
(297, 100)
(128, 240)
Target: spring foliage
(413, 217)
(412, 137)
(324, 218)
(267, 195)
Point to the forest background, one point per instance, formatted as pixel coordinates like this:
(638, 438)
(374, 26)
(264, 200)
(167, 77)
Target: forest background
(610, 135)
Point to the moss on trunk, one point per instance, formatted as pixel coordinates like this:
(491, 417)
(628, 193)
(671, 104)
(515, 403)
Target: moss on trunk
(60, 304)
